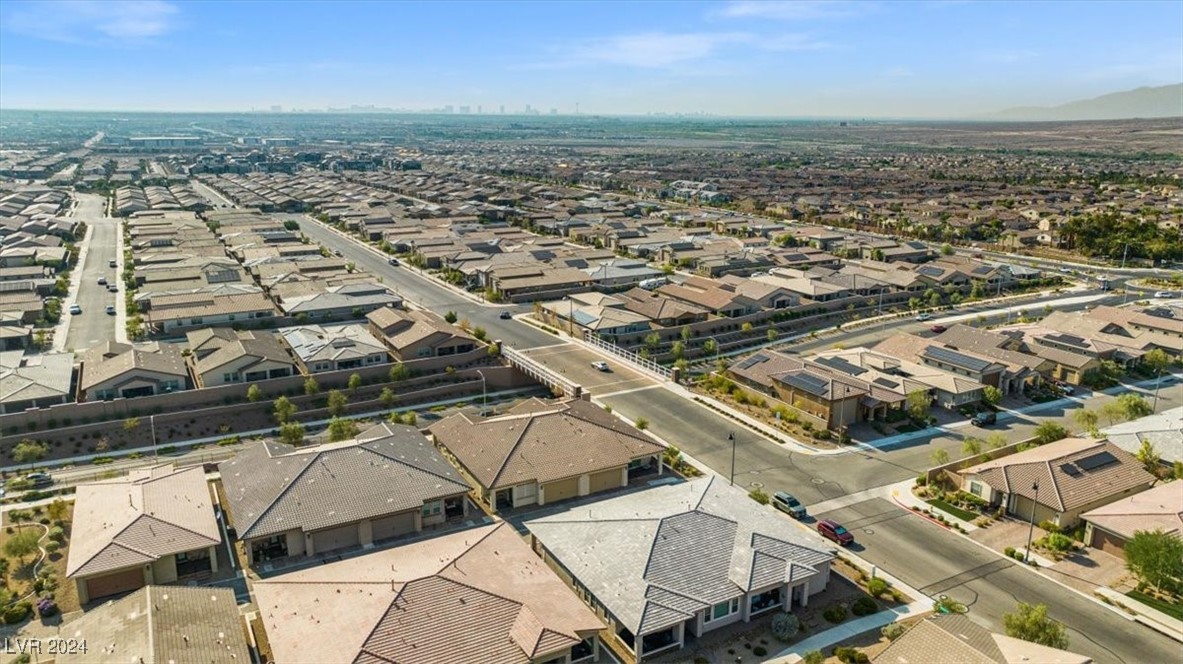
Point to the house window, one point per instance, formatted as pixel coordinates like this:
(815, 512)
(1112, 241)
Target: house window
(432, 508)
(722, 610)
(195, 321)
(975, 488)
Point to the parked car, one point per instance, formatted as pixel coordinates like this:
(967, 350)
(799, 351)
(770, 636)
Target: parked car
(1065, 387)
(39, 478)
(984, 418)
(102, 281)
(786, 503)
(393, 261)
(938, 328)
(75, 309)
(1164, 293)
(337, 252)
(112, 263)
(112, 288)
(923, 317)
(832, 530)
(111, 309)
(505, 315)
(1066, 270)
(601, 365)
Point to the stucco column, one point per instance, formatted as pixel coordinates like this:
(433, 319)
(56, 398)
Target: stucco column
(805, 594)
(213, 559)
(148, 575)
(418, 520)
(309, 545)
(365, 532)
(83, 596)
(541, 497)
(584, 485)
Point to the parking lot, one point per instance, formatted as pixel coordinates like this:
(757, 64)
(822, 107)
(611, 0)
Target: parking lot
(575, 363)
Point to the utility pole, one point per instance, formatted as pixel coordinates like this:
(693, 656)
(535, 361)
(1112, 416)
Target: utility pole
(731, 437)
(1031, 529)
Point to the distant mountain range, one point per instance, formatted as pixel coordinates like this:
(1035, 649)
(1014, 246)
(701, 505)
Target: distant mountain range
(1160, 102)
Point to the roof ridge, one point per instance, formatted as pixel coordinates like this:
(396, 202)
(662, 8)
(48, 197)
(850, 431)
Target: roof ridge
(175, 525)
(1055, 485)
(121, 545)
(509, 454)
(313, 455)
(408, 465)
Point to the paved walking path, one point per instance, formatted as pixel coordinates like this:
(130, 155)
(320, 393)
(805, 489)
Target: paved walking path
(1146, 615)
(839, 633)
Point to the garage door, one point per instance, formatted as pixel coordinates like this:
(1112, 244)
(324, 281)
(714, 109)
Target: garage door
(1108, 542)
(609, 479)
(561, 490)
(111, 584)
(335, 538)
(393, 526)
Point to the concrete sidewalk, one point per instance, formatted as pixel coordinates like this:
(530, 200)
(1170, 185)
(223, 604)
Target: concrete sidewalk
(1146, 615)
(839, 633)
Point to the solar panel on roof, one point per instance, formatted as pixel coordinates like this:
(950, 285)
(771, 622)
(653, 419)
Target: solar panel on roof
(931, 271)
(807, 382)
(883, 382)
(1069, 340)
(954, 358)
(751, 362)
(842, 365)
(1095, 461)
(1070, 469)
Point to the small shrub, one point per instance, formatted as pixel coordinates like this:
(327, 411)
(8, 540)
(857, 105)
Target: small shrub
(835, 614)
(1048, 527)
(16, 613)
(1009, 552)
(876, 587)
(814, 657)
(46, 607)
(893, 631)
(785, 626)
(864, 606)
(57, 534)
(52, 546)
(759, 651)
(851, 655)
(760, 496)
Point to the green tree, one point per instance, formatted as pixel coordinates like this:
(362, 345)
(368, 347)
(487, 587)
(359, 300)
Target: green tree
(1156, 558)
(976, 292)
(710, 346)
(399, 372)
(652, 340)
(996, 440)
(1049, 432)
(1134, 406)
(918, 404)
(991, 395)
(1087, 419)
(939, 457)
(409, 418)
(291, 433)
(22, 543)
(254, 394)
(678, 350)
(337, 402)
(1156, 360)
(746, 328)
(284, 410)
(451, 317)
(1148, 456)
(972, 446)
(387, 397)
(685, 333)
(771, 334)
(311, 386)
(57, 510)
(946, 250)
(29, 451)
(341, 429)
(354, 382)
(1031, 623)
(914, 303)
(131, 424)
(934, 298)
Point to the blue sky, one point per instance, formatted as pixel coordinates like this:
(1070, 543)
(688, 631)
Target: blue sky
(850, 59)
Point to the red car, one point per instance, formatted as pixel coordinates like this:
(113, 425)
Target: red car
(832, 530)
(937, 329)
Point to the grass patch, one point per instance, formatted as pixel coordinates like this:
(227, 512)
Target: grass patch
(1173, 610)
(956, 511)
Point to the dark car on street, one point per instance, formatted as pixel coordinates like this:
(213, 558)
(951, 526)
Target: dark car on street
(832, 530)
(983, 419)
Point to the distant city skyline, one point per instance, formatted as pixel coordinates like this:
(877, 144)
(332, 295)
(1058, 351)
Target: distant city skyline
(740, 58)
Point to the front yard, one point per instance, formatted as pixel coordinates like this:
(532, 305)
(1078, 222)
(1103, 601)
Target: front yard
(33, 566)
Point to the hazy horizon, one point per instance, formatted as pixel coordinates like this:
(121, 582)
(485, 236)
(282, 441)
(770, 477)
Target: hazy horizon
(792, 60)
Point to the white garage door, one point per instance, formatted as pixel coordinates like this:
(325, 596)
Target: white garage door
(335, 538)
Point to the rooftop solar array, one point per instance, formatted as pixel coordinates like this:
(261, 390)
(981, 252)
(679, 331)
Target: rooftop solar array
(807, 382)
(1095, 461)
(841, 364)
(930, 271)
(1070, 469)
(955, 358)
(1069, 340)
(752, 361)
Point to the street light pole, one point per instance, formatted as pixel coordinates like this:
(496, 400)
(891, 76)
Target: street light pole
(1031, 529)
(484, 393)
(731, 437)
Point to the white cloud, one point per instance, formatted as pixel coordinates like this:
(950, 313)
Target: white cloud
(93, 21)
(789, 10)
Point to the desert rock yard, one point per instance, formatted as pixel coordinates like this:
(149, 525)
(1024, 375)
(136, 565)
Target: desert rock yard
(33, 547)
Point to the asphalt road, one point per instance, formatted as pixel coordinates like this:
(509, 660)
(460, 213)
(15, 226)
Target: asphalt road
(93, 326)
(921, 554)
(990, 585)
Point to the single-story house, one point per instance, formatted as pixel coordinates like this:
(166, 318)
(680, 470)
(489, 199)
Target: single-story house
(334, 347)
(159, 624)
(416, 334)
(1162, 430)
(541, 453)
(117, 370)
(35, 380)
(221, 356)
(478, 595)
(155, 526)
(1109, 527)
(1059, 481)
(388, 482)
(682, 558)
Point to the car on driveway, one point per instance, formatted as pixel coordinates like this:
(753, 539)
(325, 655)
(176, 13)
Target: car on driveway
(984, 418)
(786, 503)
(938, 328)
(601, 365)
(832, 530)
(505, 315)
(75, 309)
(39, 479)
(111, 309)
(923, 317)
(102, 281)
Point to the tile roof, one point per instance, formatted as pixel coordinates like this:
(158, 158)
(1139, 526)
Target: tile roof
(956, 638)
(161, 359)
(389, 468)
(158, 625)
(149, 514)
(654, 557)
(1160, 508)
(478, 595)
(1162, 430)
(1066, 478)
(569, 439)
